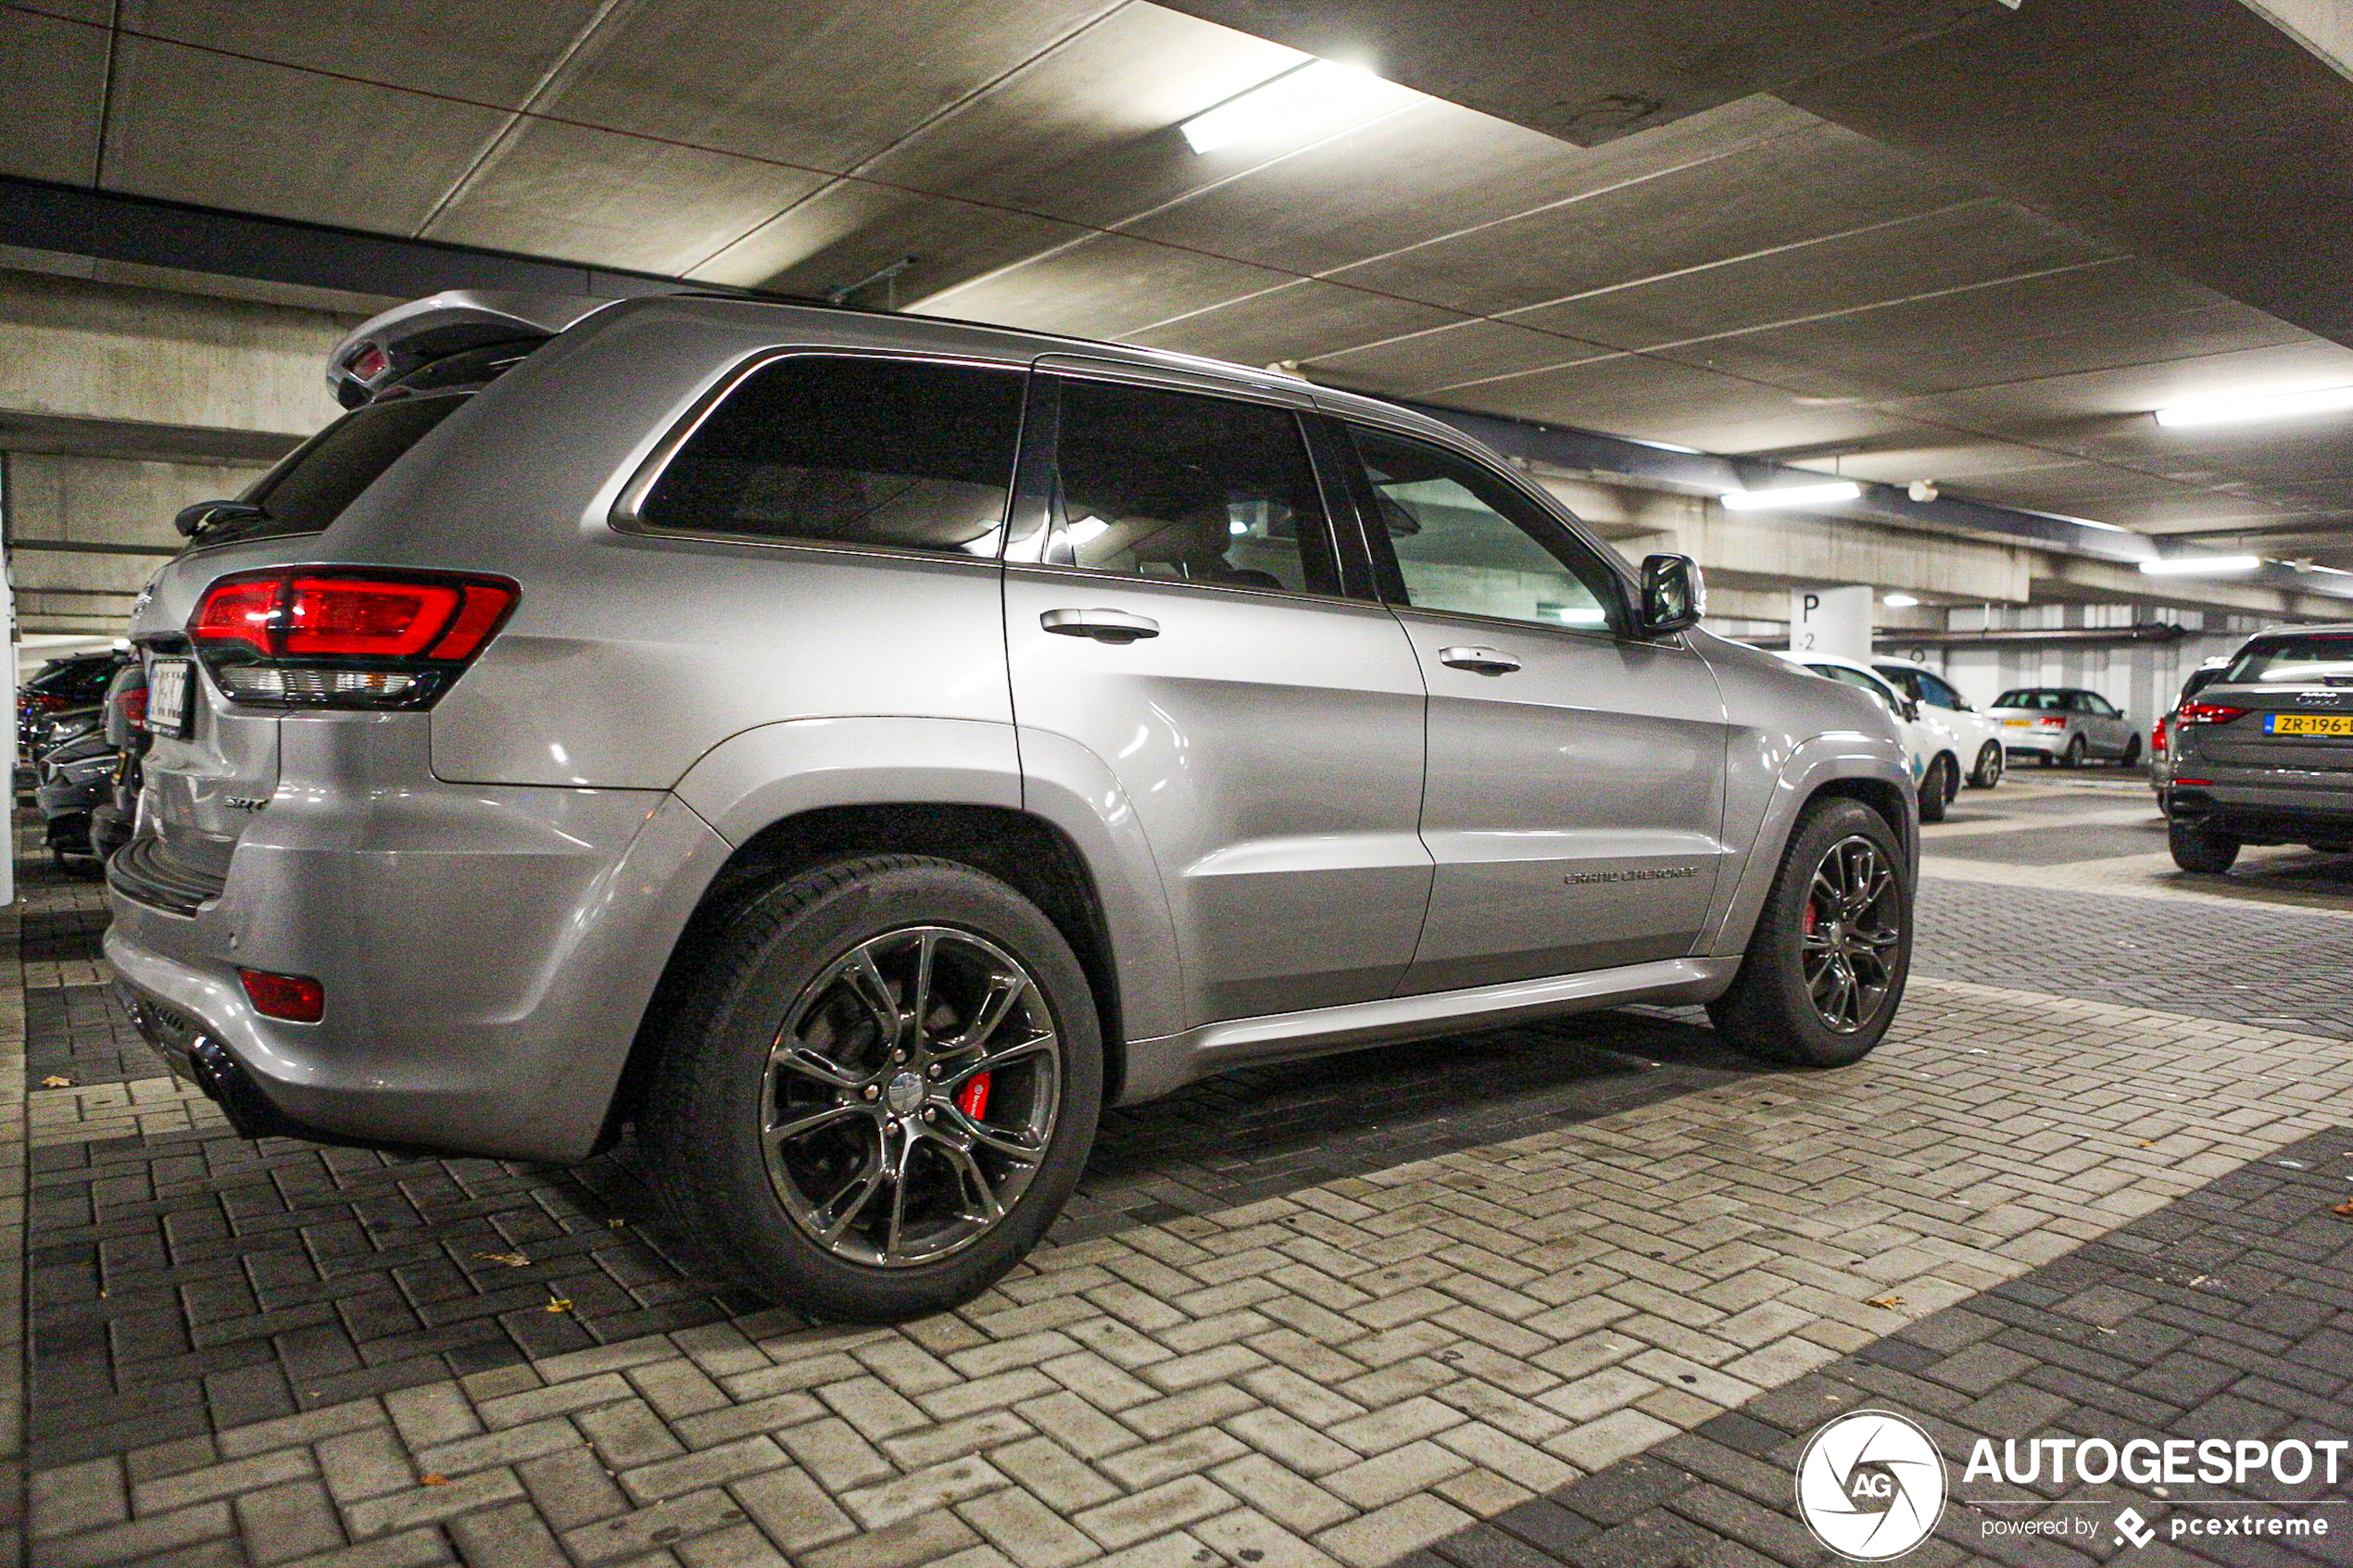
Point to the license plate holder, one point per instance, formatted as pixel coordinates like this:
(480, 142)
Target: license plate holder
(169, 709)
(2318, 724)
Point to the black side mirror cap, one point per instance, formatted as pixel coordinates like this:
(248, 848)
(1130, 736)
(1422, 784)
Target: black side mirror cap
(1673, 595)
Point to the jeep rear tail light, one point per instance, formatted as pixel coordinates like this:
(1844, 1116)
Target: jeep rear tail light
(2208, 713)
(321, 637)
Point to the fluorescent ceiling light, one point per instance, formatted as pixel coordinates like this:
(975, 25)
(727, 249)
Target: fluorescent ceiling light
(1793, 496)
(2200, 566)
(2271, 406)
(1302, 100)
(1898, 601)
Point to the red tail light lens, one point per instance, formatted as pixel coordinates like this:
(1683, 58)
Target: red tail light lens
(2156, 735)
(2208, 713)
(43, 702)
(133, 702)
(297, 998)
(2053, 722)
(323, 638)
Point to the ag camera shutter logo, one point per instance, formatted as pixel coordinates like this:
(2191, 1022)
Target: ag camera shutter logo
(1871, 1485)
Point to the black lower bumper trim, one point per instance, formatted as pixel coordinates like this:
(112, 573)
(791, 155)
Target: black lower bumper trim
(2260, 824)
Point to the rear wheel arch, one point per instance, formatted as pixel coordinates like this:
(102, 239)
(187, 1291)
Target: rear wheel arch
(1026, 852)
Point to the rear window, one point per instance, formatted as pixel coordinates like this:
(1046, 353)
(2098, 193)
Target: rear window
(2293, 660)
(2036, 697)
(318, 478)
(851, 450)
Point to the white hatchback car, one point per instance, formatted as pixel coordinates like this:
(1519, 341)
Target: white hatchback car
(1980, 738)
(1934, 746)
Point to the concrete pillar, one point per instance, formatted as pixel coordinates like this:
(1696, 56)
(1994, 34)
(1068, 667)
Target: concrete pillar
(1831, 621)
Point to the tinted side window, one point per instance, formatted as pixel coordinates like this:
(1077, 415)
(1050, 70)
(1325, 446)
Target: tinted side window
(1467, 541)
(1173, 484)
(851, 450)
(314, 482)
(1935, 689)
(1856, 679)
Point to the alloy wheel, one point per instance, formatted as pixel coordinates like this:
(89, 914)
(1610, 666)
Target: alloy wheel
(911, 1096)
(1851, 930)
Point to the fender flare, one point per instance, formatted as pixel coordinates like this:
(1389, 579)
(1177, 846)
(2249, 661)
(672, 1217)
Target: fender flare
(764, 775)
(1821, 760)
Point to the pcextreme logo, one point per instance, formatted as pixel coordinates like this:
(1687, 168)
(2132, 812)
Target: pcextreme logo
(1871, 1485)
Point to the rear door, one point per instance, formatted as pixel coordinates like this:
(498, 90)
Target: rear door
(1575, 799)
(2111, 732)
(1182, 648)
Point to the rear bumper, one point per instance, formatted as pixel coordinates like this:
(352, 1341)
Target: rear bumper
(2046, 743)
(2272, 810)
(486, 952)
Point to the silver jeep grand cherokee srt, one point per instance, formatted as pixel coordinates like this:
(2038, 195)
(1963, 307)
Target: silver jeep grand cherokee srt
(855, 750)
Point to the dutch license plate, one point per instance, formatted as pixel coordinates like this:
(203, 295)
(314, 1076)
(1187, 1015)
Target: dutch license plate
(168, 697)
(2017, 723)
(2308, 723)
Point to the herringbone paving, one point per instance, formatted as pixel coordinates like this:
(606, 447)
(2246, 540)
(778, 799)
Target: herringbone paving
(1332, 1312)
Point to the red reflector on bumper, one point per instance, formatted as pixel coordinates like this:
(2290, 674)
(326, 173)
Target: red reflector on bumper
(297, 998)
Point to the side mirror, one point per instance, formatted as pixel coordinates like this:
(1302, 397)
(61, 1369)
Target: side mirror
(1674, 596)
(1911, 709)
(193, 521)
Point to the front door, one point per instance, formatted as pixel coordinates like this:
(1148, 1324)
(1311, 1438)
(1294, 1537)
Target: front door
(1181, 651)
(1575, 794)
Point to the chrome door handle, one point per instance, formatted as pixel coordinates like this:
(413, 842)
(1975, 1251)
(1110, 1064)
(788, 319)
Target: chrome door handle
(1115, 626)
(1485, 661)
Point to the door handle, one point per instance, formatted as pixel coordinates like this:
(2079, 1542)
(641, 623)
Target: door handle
(1113, 626)
(1485, 661)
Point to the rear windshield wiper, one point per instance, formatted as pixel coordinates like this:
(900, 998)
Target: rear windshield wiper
(205, 516)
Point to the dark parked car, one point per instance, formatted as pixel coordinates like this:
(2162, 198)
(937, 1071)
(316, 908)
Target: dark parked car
(115, 816)
(2264, 754)
(80, 780)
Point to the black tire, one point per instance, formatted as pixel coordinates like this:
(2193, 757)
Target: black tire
(2076, 751)
(1769, 1012)
(2132, 753)
(1938, 786)
(2198, 847)
(1992, 763)
(708, 1094)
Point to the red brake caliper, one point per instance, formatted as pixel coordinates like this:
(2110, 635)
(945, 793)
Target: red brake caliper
(972, 1098)
(1810, 917)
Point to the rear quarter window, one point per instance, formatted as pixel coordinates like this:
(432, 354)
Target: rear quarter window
(841, 449)
(313, 486)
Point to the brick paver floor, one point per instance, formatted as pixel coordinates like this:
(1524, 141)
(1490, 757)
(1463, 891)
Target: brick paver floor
(1503, 1300)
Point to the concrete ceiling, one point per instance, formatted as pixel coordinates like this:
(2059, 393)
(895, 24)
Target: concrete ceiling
(1723, 269)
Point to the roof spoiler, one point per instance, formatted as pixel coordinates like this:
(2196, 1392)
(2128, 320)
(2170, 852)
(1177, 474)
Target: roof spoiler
(387, 349)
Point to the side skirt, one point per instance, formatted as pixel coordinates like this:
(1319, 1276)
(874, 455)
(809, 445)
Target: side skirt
(1166, 1062)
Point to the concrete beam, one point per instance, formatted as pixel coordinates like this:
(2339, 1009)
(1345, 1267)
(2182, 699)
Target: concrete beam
(77, 352)
(1591, 70)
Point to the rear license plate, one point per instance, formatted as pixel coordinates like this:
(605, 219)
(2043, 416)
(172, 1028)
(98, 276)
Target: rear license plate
(2017, 723)
(2308, 723)
(168, 697)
